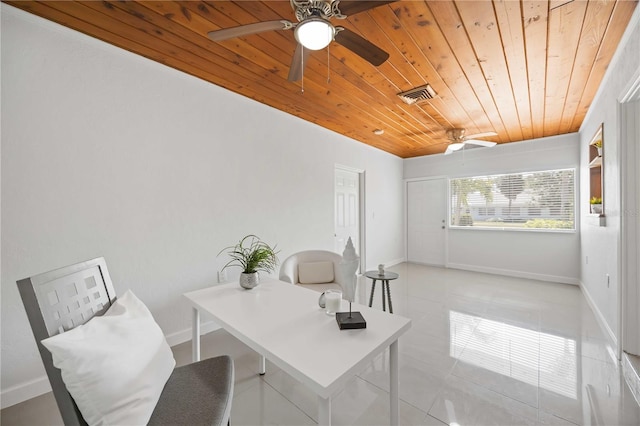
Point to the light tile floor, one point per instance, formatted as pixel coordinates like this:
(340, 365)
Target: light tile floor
(482, 350)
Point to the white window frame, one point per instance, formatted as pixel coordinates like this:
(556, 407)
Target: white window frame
(514, 229)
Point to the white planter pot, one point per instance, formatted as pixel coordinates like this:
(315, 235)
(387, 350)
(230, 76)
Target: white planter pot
(596, 208)
(249, 281)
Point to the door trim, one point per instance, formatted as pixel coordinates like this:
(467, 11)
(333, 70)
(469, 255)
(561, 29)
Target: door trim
(629, 243)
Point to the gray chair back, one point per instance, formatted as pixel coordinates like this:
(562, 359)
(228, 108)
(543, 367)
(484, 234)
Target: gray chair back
(58, 301)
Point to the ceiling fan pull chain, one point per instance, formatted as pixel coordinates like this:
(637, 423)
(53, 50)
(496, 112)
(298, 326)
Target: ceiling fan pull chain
(302, 71)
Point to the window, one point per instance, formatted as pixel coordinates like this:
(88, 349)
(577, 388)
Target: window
(529, 201)
(535, 211)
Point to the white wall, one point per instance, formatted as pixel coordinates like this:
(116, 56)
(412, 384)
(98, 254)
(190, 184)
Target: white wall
(105, 153)
(602, 244)
(539, 255)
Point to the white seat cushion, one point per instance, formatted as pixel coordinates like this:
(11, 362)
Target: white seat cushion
(315, 272)
(116, 365)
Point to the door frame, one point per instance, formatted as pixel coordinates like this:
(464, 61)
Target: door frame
(406, 215)
(628, 233)
(361, 210)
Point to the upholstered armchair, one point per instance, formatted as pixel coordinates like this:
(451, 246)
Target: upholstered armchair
(314, 269)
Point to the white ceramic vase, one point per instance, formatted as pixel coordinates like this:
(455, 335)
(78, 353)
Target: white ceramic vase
(250, 280)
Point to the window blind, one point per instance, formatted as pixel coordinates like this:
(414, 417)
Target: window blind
(531, 200)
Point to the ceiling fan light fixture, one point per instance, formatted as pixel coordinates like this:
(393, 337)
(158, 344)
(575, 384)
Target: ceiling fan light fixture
(456, 135)
(314, 33)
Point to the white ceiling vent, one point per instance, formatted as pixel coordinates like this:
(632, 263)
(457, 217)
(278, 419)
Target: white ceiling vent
(417, 94)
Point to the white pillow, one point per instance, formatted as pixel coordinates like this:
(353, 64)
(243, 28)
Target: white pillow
(315, 272)
(116, 365)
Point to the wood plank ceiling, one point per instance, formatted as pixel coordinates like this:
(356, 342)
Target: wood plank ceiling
(522, 69)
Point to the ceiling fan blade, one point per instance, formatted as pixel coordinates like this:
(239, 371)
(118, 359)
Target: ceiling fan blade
(479, 143)
(481, 135)
(299, 60)
(453, 147)
(243, 30)
(352, 7)
(361, 47)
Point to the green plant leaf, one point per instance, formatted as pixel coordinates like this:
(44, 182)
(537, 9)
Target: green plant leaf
(252, 255)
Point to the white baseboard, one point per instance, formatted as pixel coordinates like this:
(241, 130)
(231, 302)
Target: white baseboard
(39, 386)
(437, 265)
(604, 325)
(514, 273)
(394, 262)
(24, 391)
(185, 335)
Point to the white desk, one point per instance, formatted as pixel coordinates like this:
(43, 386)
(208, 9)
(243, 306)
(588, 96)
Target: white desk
(283, 323)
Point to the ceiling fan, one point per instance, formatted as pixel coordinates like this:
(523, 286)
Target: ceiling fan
(314, 31)
(460, 141)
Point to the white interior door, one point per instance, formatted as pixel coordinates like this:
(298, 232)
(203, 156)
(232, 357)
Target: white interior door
(426, 216)
(347, 209)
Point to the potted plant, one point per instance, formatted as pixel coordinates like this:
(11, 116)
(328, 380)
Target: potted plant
(598, 145)
(252, 255)
(596, 205)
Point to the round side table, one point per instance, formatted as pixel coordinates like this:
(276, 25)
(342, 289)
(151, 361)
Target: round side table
(385, 278)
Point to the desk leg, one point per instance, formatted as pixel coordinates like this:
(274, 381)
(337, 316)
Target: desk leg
(394, 377)
(195, 336)
(263, 365)
(324, 411)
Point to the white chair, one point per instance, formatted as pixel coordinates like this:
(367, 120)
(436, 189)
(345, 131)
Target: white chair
(195, 394)
(314, 269)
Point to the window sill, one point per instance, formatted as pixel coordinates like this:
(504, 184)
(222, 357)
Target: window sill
(506, 229)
